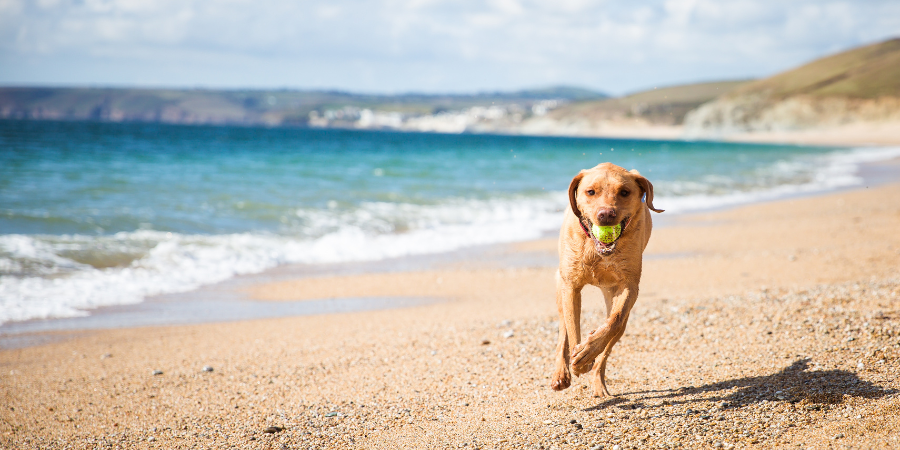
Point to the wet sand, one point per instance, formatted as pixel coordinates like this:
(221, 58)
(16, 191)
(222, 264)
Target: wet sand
(766, 326)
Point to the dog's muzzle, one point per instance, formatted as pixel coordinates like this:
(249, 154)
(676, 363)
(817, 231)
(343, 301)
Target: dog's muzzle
(602, 248)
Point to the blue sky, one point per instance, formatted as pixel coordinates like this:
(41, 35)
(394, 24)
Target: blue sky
(391, 46)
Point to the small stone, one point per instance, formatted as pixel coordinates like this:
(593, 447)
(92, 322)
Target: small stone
(838, 436)
(485, 342)
(578, 426)
(331, 414)
(573, 421)
(151, 439)
(508, 334)
(106, 355)
(157, 372)
(860, 366)
(273, 430)
(617, 447)
(207, 368)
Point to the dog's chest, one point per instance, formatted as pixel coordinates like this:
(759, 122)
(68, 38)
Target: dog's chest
(605, 271)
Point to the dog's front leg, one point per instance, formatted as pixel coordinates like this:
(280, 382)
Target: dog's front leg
(584, 354)
(568, 305)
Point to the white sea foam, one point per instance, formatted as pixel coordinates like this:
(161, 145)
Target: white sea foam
(178, 263)
(806, 174)
(57, 286)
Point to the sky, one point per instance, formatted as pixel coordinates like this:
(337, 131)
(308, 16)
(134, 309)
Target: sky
(430, 46)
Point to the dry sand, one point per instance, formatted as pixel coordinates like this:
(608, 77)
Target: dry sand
(767, 326)
(852, 134)
(855, 134)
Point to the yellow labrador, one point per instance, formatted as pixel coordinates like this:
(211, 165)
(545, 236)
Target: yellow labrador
(605, 195)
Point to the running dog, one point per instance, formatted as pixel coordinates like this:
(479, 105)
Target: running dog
(606, 195)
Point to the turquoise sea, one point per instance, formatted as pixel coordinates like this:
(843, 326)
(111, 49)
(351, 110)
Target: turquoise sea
(95, 214)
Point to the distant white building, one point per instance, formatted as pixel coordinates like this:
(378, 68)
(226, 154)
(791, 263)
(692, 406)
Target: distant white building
(477, 118)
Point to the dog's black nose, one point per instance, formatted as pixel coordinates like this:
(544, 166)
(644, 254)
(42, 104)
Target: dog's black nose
(606, 216)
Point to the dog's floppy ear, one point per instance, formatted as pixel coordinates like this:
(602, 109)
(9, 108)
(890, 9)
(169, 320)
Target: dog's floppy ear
(573, 186)
(647, 187)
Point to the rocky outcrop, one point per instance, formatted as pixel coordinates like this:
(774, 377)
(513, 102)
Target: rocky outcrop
(759, 114)
(858, 86)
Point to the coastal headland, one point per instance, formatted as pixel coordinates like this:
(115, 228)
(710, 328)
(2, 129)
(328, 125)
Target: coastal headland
(771, 325)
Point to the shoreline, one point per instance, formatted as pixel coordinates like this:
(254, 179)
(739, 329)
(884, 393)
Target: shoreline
(741, 338)
(235, 303)
(863, 134)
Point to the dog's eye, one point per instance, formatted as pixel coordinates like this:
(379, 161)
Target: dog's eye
(624, 192)
(590, 192)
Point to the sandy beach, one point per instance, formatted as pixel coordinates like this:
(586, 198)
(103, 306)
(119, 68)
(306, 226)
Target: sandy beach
(773, 325)
(854, 134)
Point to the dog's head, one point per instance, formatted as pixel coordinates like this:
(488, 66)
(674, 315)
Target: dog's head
(608, 195)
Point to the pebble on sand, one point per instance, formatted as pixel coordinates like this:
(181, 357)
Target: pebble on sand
(273, 430)
(157, 372)
(207, 368)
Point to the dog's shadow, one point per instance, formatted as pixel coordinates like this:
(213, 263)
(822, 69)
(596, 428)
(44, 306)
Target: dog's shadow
(795, 384)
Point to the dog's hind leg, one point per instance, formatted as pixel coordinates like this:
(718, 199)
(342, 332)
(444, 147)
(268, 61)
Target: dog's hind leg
(599, 380)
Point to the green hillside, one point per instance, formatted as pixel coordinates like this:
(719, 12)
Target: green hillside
(666, 105)
(865, 72)
(859, 86)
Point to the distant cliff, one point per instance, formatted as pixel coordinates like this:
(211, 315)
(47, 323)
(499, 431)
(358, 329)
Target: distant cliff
(856, 87)
(654, 113)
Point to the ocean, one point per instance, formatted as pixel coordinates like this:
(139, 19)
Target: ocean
(95, 214)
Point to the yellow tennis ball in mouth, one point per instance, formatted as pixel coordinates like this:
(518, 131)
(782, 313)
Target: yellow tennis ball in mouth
(607, 235)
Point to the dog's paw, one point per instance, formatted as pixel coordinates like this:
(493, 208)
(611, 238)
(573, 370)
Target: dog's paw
(601, 393)
(600, 389)
(561, 380)
(583, 357)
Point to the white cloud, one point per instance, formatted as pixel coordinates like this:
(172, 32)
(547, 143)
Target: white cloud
(431, 45)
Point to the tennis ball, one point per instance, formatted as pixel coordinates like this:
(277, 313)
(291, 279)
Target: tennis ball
(607, 235)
